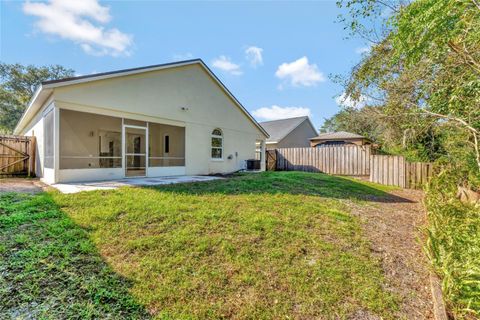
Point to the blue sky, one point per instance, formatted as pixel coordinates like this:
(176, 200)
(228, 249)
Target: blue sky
(275, 57)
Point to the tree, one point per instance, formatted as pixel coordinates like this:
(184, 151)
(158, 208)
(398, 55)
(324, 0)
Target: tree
(17, 86)
(361, 121)
(445, 34)
(425, 71)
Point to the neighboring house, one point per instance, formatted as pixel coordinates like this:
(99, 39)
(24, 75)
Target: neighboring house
(340, 137)
(289, 133)
(162, 120)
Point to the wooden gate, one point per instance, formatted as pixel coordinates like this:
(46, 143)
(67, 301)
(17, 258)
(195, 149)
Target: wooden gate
(17, 156)
(271, 160)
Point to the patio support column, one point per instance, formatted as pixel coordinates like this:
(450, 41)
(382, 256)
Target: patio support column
(56, 145)
(147, 142)
(123, 147)
(262, 155)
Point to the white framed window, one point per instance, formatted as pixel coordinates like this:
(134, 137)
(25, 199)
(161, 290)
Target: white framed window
(217, 144)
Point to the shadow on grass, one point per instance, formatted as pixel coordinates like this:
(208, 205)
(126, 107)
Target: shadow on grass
(51, 269)
(290, 182)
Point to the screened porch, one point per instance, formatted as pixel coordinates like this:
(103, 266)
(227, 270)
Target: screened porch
(138, 148)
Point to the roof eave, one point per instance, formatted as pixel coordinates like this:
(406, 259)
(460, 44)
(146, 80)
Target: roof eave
(347, 138)
(118, 73)
(40, 95)
(255, 122)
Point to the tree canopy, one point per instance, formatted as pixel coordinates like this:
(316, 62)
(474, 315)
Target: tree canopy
(421, 77)
(17, 85)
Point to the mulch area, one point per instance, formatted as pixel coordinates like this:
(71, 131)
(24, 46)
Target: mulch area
(394, 225)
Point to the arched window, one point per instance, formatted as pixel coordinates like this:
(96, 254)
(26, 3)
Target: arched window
(217, 144)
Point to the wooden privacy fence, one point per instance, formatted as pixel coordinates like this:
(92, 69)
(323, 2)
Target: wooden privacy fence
(388, 170)
(396, 171)
(17, 156)
(417, 174)
(342, 160)
(353, 161)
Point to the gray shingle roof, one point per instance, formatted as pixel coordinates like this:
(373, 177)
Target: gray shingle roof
(337, 135)
(278, 129)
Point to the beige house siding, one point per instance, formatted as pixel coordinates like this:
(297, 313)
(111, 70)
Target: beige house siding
(185, 96)
(299, 137)
(162, 94)
(35, 128)
(271, 146)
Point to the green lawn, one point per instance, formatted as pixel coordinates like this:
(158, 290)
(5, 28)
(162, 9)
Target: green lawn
(260, 246)
(454, 246)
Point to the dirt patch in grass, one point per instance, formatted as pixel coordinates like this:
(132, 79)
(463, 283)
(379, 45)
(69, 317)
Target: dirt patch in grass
(395, 232)
(22, 185)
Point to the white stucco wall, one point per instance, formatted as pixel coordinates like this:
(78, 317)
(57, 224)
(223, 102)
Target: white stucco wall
(35, 128)
(239, 145)
(271, 146)
(162, 94)
(184, 96)
(79, 175)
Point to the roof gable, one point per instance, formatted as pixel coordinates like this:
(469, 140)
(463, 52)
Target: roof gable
(47, 87)
(279, 129)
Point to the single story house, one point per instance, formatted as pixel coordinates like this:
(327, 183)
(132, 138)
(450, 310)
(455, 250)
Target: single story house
(161, 120)
(340, 137)
(289, 133)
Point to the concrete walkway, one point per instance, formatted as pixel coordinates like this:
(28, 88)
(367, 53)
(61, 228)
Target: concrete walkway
(113, 184)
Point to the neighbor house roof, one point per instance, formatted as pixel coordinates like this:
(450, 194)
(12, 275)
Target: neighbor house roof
(279, 129)
(46, 88)
(339, 135)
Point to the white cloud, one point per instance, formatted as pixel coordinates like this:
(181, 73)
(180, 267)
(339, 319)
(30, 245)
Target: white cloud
(81, 22)
(300, 73)
(254, 55)
(276, 112)
(225, 64)
(347, 101)
(362, 50)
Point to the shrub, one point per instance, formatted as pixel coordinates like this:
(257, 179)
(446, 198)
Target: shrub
(454, 245)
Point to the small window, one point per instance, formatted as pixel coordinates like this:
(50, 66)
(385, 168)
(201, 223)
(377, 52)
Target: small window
(166, 144)
(217, 144)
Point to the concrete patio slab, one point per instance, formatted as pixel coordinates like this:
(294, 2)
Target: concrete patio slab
(114, 184)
